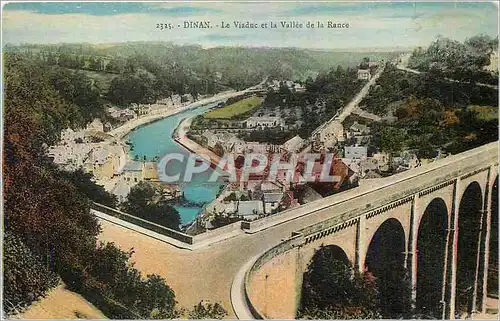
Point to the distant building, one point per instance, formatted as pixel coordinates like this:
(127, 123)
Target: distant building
(364, 74)
(358, 129)
(265, 122)
(331, 135)
(271, 187)
(150, 171)
(250, 209)
(96, 125)
(187, 98)
(272, 202)
(228, 142)
(132, 172)
(69, 135)
(294, 144)
(364, 115)
(406, 161)
(122, 114)
(355, 152)
(101, 163)
(142, 109)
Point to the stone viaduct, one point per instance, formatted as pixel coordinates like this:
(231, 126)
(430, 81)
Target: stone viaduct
(431, 221)
(434, 220)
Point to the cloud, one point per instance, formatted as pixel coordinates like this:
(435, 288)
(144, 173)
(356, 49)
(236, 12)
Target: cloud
(371, 25)
(107, 9)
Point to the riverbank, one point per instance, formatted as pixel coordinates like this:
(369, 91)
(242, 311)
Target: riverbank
(129, 126)
(180, 136)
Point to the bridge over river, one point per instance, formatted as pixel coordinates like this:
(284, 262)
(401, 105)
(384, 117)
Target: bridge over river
(257, 272)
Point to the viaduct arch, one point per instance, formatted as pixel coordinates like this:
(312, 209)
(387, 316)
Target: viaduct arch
(435, 225)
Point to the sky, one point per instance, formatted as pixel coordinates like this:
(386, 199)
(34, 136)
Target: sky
(371, 24)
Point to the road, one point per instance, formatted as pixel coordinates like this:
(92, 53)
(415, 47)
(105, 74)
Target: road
(207, 273)
(402, 66)
(347, 109)
(124, 129)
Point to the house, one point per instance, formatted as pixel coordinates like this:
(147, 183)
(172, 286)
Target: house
(230, 208)
(265, 122)
(96, 125)
(150, 171)
(331, 135)
(211, 139)
(176, 99)
(233, 144)
(271, 187)
(142, 109)
(122, 114)
(364, 74)
(358, 129)
(132, 172)
(299, 88)
(364, 115)
(355, 152)
(187, 98)
(354, 170)
(294, 144)
(250, 209)
(70, 156)
(382, 160)
(207, 138)
(271, 202)
(406, 161)
(102, 163)
(121, 190)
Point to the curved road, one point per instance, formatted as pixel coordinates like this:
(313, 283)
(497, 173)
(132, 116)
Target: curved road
(207, 273)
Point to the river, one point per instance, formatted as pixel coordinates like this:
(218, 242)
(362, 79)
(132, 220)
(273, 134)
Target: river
(155, 139)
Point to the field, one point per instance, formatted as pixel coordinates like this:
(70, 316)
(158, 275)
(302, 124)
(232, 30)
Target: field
(61, 303)
(238, 108)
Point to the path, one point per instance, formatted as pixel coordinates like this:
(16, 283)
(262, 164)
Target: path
(403, 66)
(347, 110)
(124, 129)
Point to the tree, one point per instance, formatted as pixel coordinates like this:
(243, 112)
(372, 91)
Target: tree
(207, 310)
(145, 201)
(49, 230)
(392, 139)
(25, 277)
(332, 288)
(157, 299)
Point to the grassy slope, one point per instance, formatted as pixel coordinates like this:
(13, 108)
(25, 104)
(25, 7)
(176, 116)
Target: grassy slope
(237, 108)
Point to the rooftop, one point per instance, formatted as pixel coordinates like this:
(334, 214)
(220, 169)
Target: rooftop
(249, 207)
(133, 166)
(272, 197)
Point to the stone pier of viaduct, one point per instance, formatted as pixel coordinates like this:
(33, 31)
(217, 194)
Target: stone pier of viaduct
(434, 217)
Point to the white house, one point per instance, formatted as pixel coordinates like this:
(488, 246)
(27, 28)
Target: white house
(265, 122)
(294, 144)
(355, 152)
(364, 74)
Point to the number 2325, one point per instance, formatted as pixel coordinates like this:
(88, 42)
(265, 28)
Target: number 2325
(164, 26)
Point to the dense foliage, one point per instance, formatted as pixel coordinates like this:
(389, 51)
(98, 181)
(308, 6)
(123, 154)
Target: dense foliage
(461, 61)
(146, 201)
(49, 231)
(25, 277)
(141, 72)
(334, 290)
(431, 113)
(207, 310)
